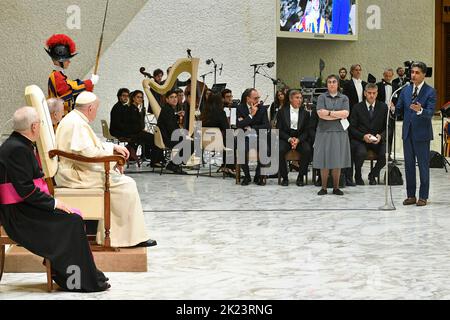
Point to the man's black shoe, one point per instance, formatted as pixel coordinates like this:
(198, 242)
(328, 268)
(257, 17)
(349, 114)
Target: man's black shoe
(262, 181)
(246, 181)
(372, 180)
(359, 181)
(349, 182)
(285, 182)
(175, 168)
(148, 243)
(300, 182)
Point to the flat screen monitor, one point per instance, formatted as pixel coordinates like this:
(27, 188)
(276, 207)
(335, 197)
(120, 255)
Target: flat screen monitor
(317, 19)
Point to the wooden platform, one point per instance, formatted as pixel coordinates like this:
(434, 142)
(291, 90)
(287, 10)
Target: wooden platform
(20, 260)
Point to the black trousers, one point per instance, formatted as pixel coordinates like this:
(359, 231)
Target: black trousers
(359, 154)
(304, 149)
(245, 167)
(147, 141)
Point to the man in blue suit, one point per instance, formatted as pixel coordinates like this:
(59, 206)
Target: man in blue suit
(416, 104)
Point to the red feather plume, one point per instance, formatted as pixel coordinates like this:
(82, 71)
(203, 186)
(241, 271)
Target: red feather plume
(61, 39)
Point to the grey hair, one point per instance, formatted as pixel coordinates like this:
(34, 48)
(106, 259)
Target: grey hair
(421, 65)
(55, 104)
(294, 92)
(371, 86)
(23, 118)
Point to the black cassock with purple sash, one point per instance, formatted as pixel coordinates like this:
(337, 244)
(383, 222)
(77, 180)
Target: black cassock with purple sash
(37, 226)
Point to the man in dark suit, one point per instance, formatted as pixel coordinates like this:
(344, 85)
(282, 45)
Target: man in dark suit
(251, 114)
(117, 126)
(402, 78)
(385, 90)
(354, 90)
(368, 132)
(168, 123)
(417, 104)
(295, 132)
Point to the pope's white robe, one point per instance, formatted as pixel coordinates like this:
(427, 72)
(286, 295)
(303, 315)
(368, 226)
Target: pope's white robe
(127, 219)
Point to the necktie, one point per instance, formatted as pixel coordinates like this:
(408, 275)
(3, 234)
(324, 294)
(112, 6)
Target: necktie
(371, 112)
(414, 96)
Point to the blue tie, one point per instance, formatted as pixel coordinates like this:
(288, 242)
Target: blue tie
(414, 96)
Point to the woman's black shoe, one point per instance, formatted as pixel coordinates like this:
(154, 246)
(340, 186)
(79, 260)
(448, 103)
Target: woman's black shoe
(338, 192)
(322, 192)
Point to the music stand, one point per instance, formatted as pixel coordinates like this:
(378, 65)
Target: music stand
(218, 87)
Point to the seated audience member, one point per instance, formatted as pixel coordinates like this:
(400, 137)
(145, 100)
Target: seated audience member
(56, 110)
(75, 135)
(228, 107)
(167, 124)
(157, 76)
(295, 132)
(252, 115)
(118, 125)
(180, 100)
(200, 105)
(33, 218)
(368, 132)
(214, 116)
(280, 101)
(135, 129)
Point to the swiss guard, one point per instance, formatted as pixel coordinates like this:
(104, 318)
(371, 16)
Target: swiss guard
(61, 48)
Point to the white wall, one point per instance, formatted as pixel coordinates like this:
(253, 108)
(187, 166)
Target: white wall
(236, 33)
(407, 33)
(25, 25)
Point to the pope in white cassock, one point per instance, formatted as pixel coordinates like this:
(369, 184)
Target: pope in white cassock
(75, 135)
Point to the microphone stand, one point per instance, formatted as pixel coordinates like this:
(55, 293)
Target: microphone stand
(389, 206)
(274, 81)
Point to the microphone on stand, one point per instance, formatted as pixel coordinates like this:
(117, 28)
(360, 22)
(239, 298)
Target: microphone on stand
(220, 70)
(189, 53)
(270, 64)
(208, 62)
(389, 206)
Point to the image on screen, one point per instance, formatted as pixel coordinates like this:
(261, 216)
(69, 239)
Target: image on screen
(335, 17)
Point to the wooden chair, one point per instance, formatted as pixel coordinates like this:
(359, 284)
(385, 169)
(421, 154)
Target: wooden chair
(292, 155)
(4, 241)
(94, 203)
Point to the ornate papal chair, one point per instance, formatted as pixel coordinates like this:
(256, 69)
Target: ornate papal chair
(93, 203)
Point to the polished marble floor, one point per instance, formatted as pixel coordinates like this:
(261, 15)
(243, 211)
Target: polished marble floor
(217, 240)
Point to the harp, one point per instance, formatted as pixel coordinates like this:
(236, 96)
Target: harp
(189, 65)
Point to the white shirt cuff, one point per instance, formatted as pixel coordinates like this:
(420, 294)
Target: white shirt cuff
(56, 201)
(420, 112)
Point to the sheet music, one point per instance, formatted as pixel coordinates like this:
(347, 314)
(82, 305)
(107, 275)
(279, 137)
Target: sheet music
(345, 124)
